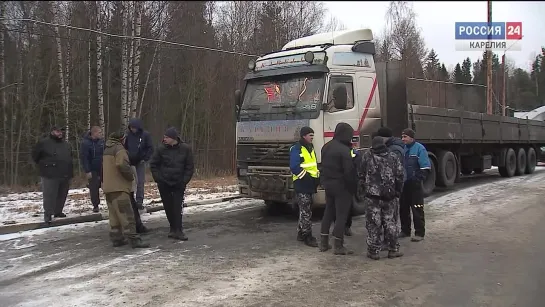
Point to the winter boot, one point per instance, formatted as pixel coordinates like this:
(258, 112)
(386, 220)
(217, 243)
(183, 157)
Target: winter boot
(47, 219)
(417, 239)
(300, 237)
(339, 249)
(394, 253)
(60, 215)
(118, 243)
(95, 209)
(179, 235)
(348, 232)
(310, 240)
(375, 255)
(324, 243)
(142, 229)
(403, 235)
(137, 243)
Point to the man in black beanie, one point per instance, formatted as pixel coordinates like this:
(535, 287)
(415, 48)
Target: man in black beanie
(172, 168)
(381, 176)
(304, 169)
(396, 146)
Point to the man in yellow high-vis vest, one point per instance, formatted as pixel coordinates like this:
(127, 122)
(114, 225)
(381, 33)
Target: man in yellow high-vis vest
(305, 174)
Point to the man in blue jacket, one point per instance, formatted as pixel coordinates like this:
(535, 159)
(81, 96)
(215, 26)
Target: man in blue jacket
(304, 169)
(91, 152)
(417, 166)
(140, 148)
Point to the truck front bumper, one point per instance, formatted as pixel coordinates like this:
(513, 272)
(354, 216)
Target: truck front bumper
(273, 184)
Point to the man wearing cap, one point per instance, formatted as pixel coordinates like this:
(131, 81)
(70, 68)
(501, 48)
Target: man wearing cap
(53, 155)
(380, 174)
(172, 168)
(117, 184)
(304, 169)
(417, 166)
(140, 148)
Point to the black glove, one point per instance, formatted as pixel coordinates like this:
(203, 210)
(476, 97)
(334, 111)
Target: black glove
(422, 174)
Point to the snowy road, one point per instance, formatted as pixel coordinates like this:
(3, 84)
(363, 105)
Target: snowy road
(484, 247)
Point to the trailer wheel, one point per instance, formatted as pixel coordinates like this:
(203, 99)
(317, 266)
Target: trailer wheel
(429, 184)
(510, 163)
(531, 161)
(521, 162)
(446, 169)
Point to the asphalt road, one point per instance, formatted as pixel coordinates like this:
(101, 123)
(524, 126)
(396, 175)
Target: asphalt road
(484, 247)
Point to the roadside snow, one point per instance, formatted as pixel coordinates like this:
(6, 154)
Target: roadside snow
(27, 207)
(235, 204)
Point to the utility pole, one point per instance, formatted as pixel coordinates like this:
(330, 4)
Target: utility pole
(489, 92)
(504, 89)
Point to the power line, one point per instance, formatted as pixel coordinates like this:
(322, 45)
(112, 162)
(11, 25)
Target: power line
(127, 36)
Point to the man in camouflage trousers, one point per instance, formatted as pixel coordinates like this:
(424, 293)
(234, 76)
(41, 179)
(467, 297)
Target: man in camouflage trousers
(381, 176)
(117, 185)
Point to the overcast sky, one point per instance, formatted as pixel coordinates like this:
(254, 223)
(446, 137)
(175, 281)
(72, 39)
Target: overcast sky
(436, 20)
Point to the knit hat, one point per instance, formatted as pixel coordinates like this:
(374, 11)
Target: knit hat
(408, 132)
(384, 132)
(172, 133)
(117, 135)
(305, 130)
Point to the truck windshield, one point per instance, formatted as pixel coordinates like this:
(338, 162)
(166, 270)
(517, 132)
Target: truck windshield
(283, 97)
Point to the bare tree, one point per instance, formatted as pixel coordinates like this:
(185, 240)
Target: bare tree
(100, 91)
(334, 24)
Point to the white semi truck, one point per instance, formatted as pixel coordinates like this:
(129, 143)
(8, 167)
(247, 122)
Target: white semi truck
(299, 86)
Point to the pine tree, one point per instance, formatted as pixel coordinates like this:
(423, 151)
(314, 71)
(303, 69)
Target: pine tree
(458, 75)
(466, 71)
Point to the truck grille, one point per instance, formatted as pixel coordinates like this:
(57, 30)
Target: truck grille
(270, 154)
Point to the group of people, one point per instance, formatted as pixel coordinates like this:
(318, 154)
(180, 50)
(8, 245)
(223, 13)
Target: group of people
(388, 177)
(118, 165)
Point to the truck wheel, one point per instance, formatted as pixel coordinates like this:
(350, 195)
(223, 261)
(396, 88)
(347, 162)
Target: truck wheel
(446, 169)
(531, 161)
(521, 162)
(429, 184)
(508, 170)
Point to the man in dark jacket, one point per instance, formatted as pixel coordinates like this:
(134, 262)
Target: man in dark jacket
(53, 155)
(91, 151)
(396, 146)
(172, 168)
(338, 177)
(304, 169)
(140, 147)
(381, 175)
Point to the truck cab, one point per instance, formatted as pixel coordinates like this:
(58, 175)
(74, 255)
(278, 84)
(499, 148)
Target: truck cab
(316, 81)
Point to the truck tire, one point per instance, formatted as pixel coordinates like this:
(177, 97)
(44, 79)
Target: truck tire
(521, 162)
(446, 169)
(531, 161)
(510, 164)
(429, 184)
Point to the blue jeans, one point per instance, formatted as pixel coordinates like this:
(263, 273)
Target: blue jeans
(140, 180)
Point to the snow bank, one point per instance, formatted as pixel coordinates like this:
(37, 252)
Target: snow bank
(27, 207)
